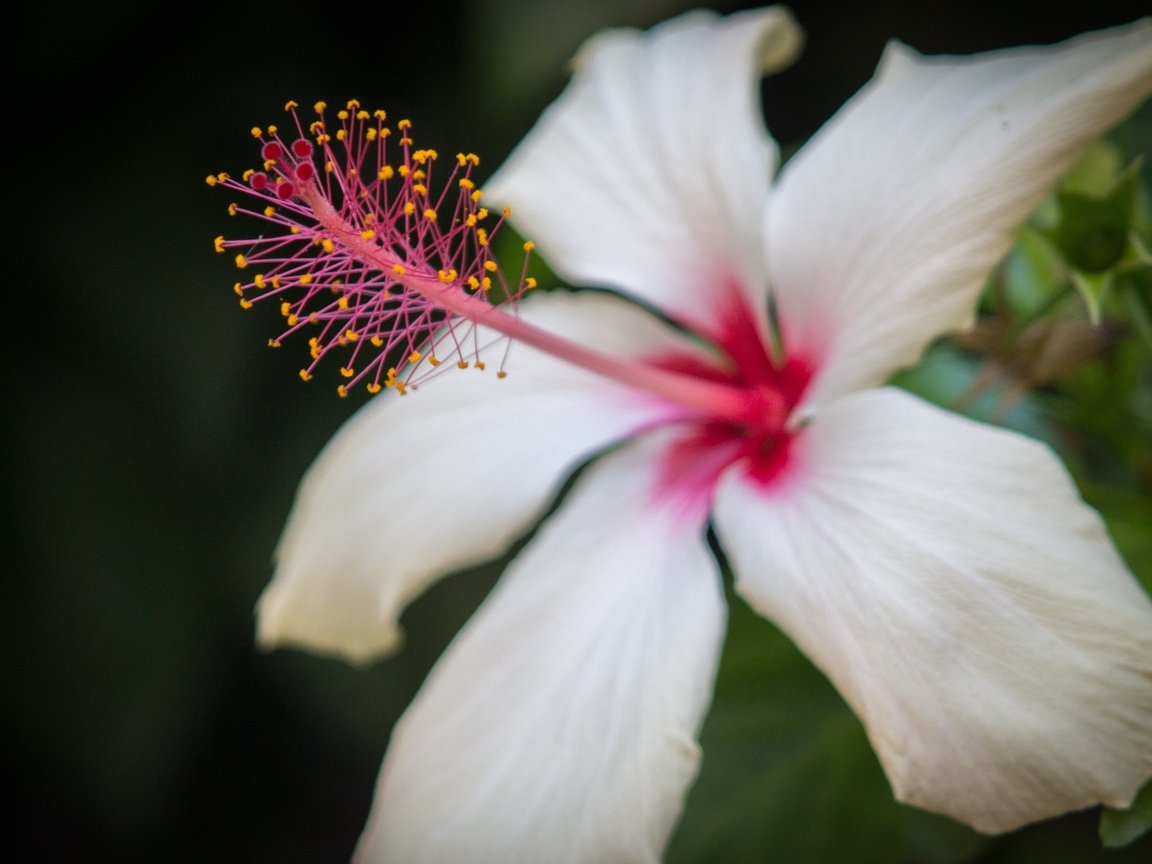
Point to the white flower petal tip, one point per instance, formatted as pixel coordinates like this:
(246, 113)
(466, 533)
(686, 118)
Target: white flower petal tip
(414, 488)
(884, 227)
(947, 578)
(560, 726)
(658, 152)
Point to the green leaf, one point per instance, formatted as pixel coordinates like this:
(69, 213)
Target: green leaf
(1122, 827)
(1096, 171)
(1093, 231)
(1092, 288)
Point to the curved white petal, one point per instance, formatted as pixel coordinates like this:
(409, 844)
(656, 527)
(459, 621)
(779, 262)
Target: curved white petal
(884, 227)
(650, 173)
(415, 487)
(972, 610)
(560, 725)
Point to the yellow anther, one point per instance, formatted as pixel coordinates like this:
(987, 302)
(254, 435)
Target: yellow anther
(362, 115)
(465, 183)
(479, 365)
(342, 114)
(502, 374)
(351, 335)
(473, 283)
(433, 359)
(341, 134)
(404, 124)
(462, 364)
(529, 283)
(398, 269)
(239, 289)
(290, 105)
(367, 234)
(342, 391)
(222, 177)
(477, 194)
(293, 320)
(370, 133)
(257, 132)
(403, 170)
(490, 266)
(232, 209)
(446, 276)
(409, 209)
(272, 130)
(295, 229)
(369, 218)
(486, 284)
(386, 173)
(323, 138)
(380, 115)
(327, 245)
(273, 343)
(269, 164)
(328, 166)
(241, 261)
(414, 357)
(430, 215)
(285, 308)
(419, 188)
(529, 245)
(269, 211)
(210, 180)
(481, 236)
(482, 213)
(418, 174)
(275, 281)
(304, 375)
(245, 304)
(218, 243)
(306, 279)
(316, 126)
(401, 388)
(374, 388)
(258, 280)
(342, 303)
(346, 372)
(377, 342)
(247, 175)
(471, 220)
(507, 212)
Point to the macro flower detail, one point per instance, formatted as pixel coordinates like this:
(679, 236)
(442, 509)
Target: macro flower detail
(944, 574)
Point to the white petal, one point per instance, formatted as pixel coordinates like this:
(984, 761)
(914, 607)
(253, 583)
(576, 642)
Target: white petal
(413, 488)
(650, 173)
(561, 724)
(884, 227)
(972, 610)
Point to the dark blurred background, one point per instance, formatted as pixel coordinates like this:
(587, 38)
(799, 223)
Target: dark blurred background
(154, 445)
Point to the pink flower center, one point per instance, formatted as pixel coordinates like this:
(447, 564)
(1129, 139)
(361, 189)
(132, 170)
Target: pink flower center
(761, 443)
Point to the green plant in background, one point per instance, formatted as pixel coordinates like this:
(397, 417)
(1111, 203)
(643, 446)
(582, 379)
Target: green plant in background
(942, 574)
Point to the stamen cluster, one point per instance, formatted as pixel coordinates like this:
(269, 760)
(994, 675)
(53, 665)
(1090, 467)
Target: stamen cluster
(367, 253)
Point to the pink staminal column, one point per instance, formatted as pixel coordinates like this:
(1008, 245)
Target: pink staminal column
(369, 251)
